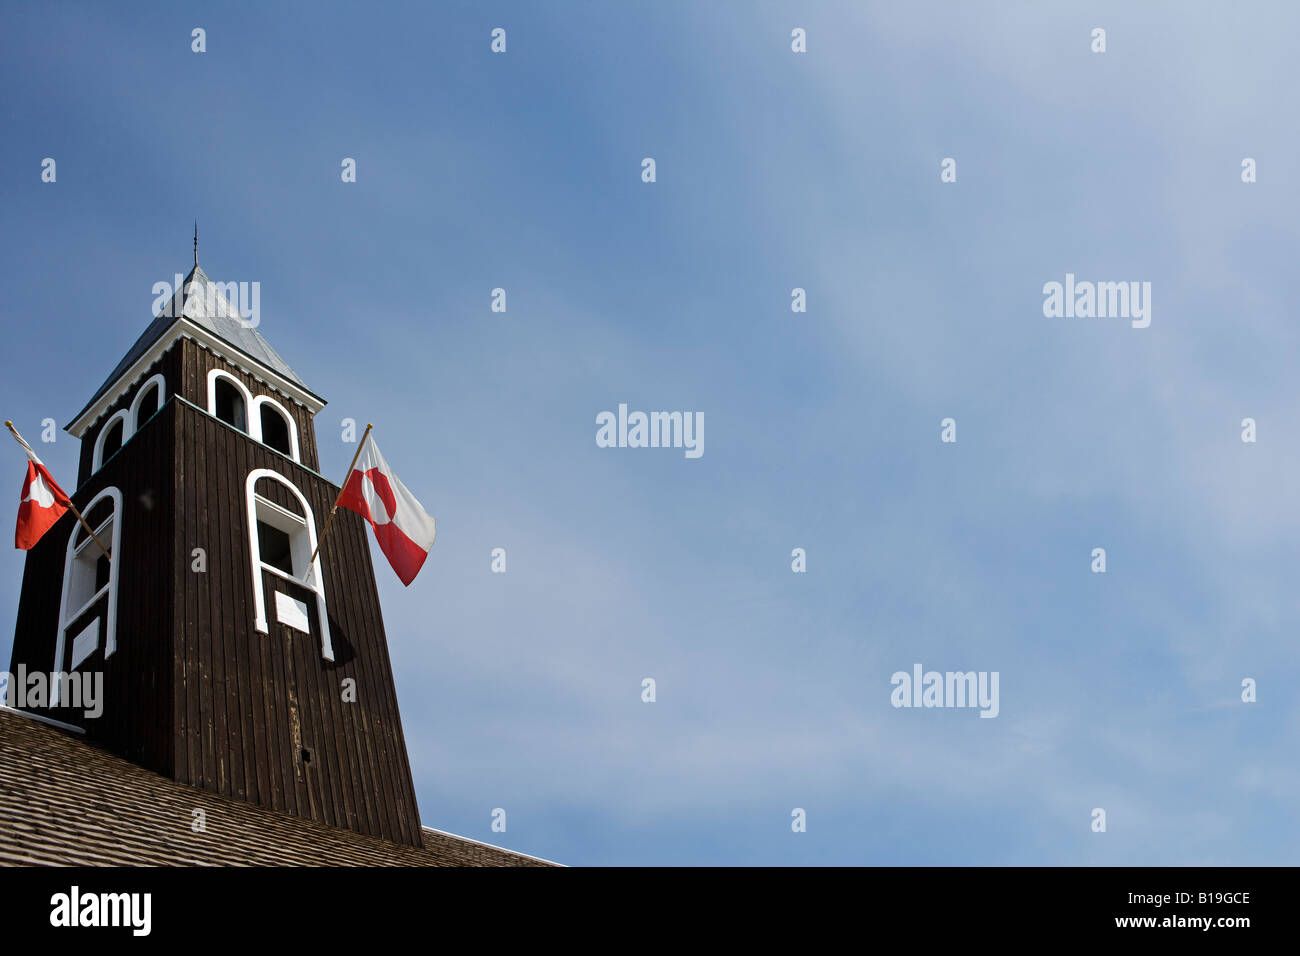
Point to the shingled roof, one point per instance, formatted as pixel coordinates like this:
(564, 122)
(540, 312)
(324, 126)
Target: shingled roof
(66, 802)
(204, 303)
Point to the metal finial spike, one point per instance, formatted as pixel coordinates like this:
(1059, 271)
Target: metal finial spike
(196, 242)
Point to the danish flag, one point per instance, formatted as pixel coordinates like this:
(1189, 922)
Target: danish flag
(42, 504)
(403, 529)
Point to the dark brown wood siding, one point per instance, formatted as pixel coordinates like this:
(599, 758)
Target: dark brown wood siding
(193, 689)
(260, 717)
(137, 717)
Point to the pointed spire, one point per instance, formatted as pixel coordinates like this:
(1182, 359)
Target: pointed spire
(196, 242)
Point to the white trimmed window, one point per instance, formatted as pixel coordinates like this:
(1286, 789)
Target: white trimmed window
(281, 542)
(121, 425)
(148, 400)
(111, 438)
(261, 418)
(229, 400)
(89, 576)
(275, 427)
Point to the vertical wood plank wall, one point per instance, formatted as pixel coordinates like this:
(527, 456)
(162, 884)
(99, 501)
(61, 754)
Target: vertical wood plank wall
(251, 707)
(194, 691)
(136, 721)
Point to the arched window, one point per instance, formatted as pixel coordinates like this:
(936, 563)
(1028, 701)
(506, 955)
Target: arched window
(262, 418)
(275, 428)
(282, 538)
(148, 399)
(111, 438)
(228, 404)
(88, 609)
(112, 442)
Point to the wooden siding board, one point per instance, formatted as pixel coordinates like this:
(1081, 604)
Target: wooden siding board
(373, 613)
(375, 724)
(196, 597)
(344, 549)
(180, 611)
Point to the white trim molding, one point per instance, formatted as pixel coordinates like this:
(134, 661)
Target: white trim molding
(130, 419)
(221, 373)
(185, 329)
(315, 581)
(68, 615)
(97, 460)
(253, 410)
(255, 414)
(6, 709)
(161, 381)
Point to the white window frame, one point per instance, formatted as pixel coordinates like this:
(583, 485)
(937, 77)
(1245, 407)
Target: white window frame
(261, 400)
(139, 396)
(253, 410)
(68, 615)
(97, 462)
(315, 581)
(217, 373)
(130, 419)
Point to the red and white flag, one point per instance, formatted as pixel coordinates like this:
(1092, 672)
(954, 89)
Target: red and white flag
(43, 502)
(403, 528)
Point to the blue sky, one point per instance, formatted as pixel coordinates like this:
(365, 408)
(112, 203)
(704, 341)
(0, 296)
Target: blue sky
(775, 170)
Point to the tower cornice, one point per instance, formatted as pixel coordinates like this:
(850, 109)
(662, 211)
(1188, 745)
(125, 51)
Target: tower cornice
(184, 328)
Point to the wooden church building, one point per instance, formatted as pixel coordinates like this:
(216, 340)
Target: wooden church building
(241, 688)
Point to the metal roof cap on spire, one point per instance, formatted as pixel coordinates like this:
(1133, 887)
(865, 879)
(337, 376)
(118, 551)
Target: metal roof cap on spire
(202, 302)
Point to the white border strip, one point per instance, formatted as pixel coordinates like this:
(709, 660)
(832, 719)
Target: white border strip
(492, 846)
(6, 709)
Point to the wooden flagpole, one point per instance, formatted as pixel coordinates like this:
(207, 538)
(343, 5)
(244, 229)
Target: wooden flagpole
(71, 507)
(330, 517)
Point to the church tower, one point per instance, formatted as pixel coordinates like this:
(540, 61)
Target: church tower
(229, 662)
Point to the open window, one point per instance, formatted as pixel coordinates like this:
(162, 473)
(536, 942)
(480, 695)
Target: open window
(88, 608)
(261, 418)
(229, 405)
(282, 539)
(121, 425)
(110, 440)
(276, 543)
(147, 401)
(277, 429)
